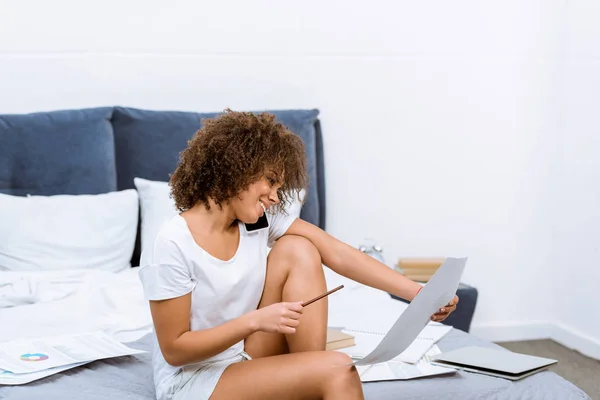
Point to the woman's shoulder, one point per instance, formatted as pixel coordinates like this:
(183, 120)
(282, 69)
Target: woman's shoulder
(172, 228)
(168, 243)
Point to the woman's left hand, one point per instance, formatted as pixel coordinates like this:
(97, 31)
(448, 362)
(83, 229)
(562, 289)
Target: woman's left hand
(443, 313)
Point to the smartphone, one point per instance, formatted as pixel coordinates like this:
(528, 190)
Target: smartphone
(262, 223)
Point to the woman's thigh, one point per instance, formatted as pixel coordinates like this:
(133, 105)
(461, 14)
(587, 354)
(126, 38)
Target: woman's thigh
(307, 375)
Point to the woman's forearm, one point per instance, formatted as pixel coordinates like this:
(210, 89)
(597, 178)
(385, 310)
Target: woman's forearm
(358, 266)
(354, 264)
(194, 346)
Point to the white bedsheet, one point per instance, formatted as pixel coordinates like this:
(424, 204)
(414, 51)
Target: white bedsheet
(20, 289)
(63, 302)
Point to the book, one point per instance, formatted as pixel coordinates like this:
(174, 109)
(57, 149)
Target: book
(418, 272)
(420, 277)
(412, 264)
(337, 339)
(419, 269)
(413, 270)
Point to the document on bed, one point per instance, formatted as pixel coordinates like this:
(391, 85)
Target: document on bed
(367, 341)
(10, 378)
(24, 356)
(398, 370)
(438, 291)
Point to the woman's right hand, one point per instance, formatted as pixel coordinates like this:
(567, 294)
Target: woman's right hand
(279, 317)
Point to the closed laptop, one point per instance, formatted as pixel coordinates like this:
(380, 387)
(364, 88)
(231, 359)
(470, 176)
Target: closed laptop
(495, 362)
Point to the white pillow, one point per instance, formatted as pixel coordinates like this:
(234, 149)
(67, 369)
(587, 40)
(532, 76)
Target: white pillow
(294, 207)
(63, 232)
(157, 207)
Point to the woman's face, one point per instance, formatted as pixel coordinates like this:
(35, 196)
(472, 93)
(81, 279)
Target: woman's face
(252, 203)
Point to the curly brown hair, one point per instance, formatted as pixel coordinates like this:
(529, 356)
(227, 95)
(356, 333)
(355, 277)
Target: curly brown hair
(233, 150)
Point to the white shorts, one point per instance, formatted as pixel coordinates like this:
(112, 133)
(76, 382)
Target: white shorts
(199, 384)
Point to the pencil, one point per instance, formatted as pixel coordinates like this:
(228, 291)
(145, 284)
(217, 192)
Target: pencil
(321, 296)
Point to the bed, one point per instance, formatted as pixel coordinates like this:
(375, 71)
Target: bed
(142, 143)
(130, 377)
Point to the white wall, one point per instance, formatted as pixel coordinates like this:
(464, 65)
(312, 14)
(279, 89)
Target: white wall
(577, 187)
(440, 118)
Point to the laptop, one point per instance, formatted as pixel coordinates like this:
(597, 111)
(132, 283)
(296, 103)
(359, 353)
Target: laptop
(495, 362)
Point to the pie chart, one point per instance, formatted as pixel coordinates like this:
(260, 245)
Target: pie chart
(34, 357)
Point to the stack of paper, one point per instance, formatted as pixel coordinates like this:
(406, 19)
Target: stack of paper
(10, 378)
(440, 289)
(366, 342)
(25, 360)
(398, 370)
(407, 328)
(426, 340)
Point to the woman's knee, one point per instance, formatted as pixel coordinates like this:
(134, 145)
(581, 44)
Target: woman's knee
(342, 374)
(295, 250)
(332, 364)
(337, 358)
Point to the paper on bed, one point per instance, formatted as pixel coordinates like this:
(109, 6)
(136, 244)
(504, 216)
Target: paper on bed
(39, 354)
(367, 341)
(440, 289)
(10, 378)
(426, 340)
(397, 370)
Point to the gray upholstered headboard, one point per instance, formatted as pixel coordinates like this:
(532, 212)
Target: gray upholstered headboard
(320, 182)
(98, 150)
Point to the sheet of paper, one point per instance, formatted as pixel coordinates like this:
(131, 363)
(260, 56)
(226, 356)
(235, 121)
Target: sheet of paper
(9, 378)
(440, 289)
(398, 370)
(428, 337)
(38, 354)
(366, 342)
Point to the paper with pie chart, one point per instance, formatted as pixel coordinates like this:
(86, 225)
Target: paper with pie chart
(23, 356)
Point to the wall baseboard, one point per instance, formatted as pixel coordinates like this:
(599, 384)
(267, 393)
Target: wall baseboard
(536, 330)
(576, 340)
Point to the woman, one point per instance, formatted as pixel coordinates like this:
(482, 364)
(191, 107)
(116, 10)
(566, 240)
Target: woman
(227, 313)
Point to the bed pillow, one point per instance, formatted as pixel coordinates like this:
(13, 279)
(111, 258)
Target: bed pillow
(157, 206)
(64, 232)
(58, 152)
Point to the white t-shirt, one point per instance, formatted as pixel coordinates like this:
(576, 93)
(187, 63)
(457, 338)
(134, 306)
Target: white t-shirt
(221, 290)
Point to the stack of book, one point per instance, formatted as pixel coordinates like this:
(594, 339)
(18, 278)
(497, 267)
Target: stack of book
(419, 269)
(338, 340)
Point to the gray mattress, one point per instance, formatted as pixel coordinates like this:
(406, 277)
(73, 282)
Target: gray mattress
(131, 378)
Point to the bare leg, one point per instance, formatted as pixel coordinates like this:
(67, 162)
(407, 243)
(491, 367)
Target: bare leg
(308, 375)
(294, 273)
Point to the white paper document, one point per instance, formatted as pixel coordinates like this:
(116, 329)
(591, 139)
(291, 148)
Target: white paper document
(440, 289)
(398, 370)
(24, 356)
(366, 342)
(9, 378)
